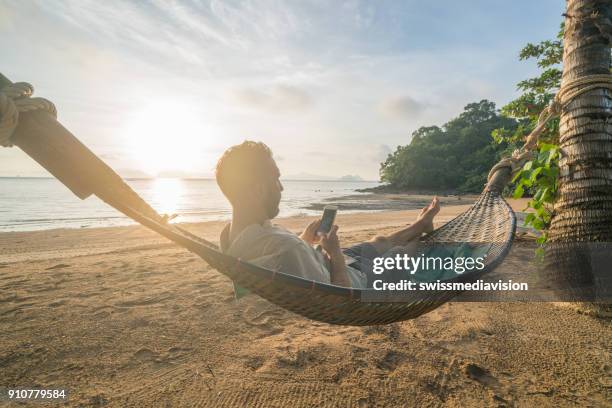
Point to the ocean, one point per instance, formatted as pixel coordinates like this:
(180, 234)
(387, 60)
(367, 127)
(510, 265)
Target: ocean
(28, 204)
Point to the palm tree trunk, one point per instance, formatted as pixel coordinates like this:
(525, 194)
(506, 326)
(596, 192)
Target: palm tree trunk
(583, 213)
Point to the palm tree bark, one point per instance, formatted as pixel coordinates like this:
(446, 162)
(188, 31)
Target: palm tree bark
(583, 212)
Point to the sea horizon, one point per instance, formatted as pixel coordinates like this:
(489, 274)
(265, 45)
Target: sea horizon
(40, 203)
(202, 178)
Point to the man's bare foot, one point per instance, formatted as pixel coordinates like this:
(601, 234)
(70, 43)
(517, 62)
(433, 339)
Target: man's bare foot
(428, 213)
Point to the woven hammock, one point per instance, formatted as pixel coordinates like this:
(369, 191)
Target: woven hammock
(30, 124)
(490, 220)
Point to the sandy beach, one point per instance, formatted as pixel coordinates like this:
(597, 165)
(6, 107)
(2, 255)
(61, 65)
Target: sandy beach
(124, 318)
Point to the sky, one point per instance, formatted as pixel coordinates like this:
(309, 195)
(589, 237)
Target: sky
(163, 87)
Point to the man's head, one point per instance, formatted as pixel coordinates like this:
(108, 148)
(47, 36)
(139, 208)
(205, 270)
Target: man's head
(249, 178)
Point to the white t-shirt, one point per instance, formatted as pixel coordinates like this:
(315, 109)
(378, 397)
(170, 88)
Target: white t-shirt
(274, 247)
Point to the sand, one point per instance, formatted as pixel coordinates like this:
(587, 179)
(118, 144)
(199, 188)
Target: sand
(123, 318)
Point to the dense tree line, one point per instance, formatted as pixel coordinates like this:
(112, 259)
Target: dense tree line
(455, 157)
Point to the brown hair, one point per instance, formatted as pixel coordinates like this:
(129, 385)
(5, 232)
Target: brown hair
(241, 166)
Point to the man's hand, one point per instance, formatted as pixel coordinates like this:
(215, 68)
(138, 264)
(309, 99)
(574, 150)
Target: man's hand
(310, 233)
(331, 243)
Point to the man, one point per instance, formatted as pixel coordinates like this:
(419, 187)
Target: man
(249, 178)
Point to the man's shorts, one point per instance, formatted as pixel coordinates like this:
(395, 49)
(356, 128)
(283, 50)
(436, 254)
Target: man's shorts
(359, 253)
(361, 257)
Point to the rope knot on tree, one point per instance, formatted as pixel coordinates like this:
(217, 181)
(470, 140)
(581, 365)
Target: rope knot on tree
(564, 96)
(15, 99)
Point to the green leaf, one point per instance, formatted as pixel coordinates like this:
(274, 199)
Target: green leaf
(543, 156)
(519, 191)
(535, 174)
(517, 176)
(554, 155)
(538, 196)
(544, 147)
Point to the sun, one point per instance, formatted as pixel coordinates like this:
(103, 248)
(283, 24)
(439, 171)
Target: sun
(166, 137)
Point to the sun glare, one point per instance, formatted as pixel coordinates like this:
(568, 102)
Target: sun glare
(167, 194)
(167, 137)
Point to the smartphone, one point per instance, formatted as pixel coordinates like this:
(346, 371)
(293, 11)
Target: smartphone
(327, 221)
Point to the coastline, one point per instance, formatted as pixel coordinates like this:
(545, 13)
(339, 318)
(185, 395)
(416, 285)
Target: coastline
(18, 246)
(388, 189)
(193, 204)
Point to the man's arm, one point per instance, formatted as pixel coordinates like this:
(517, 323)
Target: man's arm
(338, 270)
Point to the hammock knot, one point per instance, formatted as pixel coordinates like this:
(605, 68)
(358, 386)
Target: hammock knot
(16, 98)
(514, 163)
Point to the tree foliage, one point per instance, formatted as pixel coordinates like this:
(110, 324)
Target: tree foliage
(539, 176)
(456, 156)
(459, 154)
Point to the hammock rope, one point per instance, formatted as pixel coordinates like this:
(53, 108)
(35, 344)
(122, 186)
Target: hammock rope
(15, 99)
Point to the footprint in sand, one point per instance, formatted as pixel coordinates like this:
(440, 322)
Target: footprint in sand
(177, 354)
(174, 354)
(260, 319)
(145, 354)
(390, 361)
(58, 303)
(205, 297)
(297, 360)
(477, 373)
(178, 350)
(266, 322)
(138, 322)
(391, 331)
(145, 301)
(58, 266)
(254, 363)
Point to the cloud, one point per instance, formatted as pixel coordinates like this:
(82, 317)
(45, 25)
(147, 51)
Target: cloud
(110, 156)
(321, 153)
(7, 19)
(276, 98)
(327, 71)
(381, 152)
(404, 107)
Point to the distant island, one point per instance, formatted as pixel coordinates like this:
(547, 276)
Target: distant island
(350, 177)
(318, 177)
